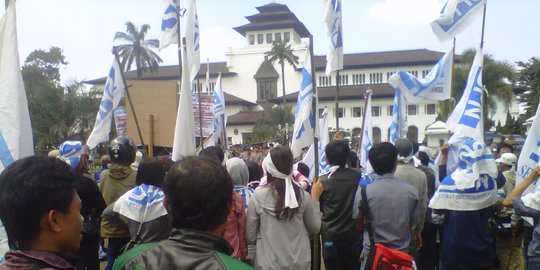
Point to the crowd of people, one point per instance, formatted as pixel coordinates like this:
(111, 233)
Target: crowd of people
(258, 209)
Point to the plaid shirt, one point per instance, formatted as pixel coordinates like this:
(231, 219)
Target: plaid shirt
(35, 259)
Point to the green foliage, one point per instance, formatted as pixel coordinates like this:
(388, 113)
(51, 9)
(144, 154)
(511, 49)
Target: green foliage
(137, 49)
(266, 129)
(281, 51)
(529, 80)
(512, 126)
(47, 62)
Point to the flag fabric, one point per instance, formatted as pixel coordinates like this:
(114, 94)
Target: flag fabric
(324, 138)
(142, 203)
(169, 25)
(367, 137)
(192, 41)
(467, 117)
(304, 118)
(184, 132)
(220, 118)
(455, 192)
(207, 81)
(333, 20)
(15, 129)
(112, 94)
(530, 154)
(398, 127)
(455, 16)
(435, 86)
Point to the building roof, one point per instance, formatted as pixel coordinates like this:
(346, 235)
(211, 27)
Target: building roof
(245, 118)
(346, 92)
(266, 70)
(234, 100)
(273, 16)
(384, 59)
(172, 73)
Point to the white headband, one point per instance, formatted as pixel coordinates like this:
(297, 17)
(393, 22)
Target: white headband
(290, 196)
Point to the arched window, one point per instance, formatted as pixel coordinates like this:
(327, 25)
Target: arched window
(376, 135)
(412, 134)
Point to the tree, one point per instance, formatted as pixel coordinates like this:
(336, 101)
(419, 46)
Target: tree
(137, 49)
(282, 52)
(266, 129)
(497, 79)
(529, 80)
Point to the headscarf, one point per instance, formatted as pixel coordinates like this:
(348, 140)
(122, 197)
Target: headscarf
(290, 195)
(238, 171)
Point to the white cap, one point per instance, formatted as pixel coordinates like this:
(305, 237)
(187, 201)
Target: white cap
(507, 158)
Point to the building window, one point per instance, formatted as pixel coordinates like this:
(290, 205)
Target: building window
(376, 135)
(341, 112)
(375, 78)
(344, 79)
(266, 89)
(278, 36)
(390, 110)
(287, 36)
(431, 109)
(260, 39)
(411, 109)
(269, 38)
(375, 111)
(357, 112)
(424, 73)
(389, 74)
(412, 134)
(414, 72)
(251, 39)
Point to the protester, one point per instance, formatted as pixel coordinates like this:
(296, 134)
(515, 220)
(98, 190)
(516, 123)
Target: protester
(509, 237)
(215, 153)
(115, 182)
(300, 178)
(528, 206)
(280, 216)
(105, 160)
(142, 206)
(336, 192)
(235, 227)
(40, 210)
(92, 203)
(255, 174)
(198, 196)
(506, 148)
(394, 205)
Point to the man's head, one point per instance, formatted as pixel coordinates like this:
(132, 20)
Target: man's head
(506, 161)
(383, 158)
(151, 171)
(506, 148)
(424, 158)
(352, 160)
(405, 150)
(198, 193)
(122, 150)
(337, 153)
(213, 152)
(39, 206)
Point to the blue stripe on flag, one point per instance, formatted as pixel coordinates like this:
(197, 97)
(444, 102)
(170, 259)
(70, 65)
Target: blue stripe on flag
(5, 155)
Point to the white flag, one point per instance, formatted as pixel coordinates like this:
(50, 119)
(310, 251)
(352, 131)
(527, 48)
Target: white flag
(192, 41)
(455, 16)
(530, 154)
(333, 20)
(324, 138)
(15, 128)
(467, 117)
(169, 25)
(112, 94)
(220, 117)
(304, 118)
(367, 137)
(398, 127)
(435, 86)
(184, 132)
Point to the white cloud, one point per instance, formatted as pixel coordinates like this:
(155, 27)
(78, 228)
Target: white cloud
(215, 42)
(405, 11)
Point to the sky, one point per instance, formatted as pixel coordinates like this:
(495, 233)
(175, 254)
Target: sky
(84, 29)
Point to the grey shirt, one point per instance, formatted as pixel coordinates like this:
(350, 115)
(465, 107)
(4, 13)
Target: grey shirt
(417, 178)
(394, 209)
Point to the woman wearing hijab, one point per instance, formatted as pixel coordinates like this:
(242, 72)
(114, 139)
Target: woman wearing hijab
(280, 216)
(235, 226)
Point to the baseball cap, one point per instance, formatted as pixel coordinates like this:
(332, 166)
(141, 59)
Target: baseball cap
(507, 158)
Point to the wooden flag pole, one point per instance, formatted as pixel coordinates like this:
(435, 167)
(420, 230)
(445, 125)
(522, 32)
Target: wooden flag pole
(338, 79)
(483, 26)
(200, 113)
(178, 33)
(366, 96)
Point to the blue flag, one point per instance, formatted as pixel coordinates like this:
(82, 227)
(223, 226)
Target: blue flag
(398, 127)
(169, 25)
(455, 16)
(333, 19)
(304, 119)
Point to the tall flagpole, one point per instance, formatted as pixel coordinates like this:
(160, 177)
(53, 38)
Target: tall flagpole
(316, 265)
(483, 26)
(366, 96)
(128, 95)
(200, 112)
(338, 79)
(178, 33)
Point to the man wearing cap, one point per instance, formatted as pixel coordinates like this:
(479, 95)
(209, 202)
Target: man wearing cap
(509, 237)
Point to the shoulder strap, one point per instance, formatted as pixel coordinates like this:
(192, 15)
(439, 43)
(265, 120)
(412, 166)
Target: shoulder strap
(130, 254)
(367, 214)
(232, 263)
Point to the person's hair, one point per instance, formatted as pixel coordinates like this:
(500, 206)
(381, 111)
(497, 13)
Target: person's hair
(424, 158)
(29, 189)
(383, 158)
(506, 145)
(199, 192)
(283, 160)
(337, 153)
(303, 169)
(151, 172)
(213, 152)
(352, 160)
(255, 171)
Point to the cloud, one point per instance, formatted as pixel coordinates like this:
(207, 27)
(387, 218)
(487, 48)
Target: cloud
(405, 11)
(215, 42)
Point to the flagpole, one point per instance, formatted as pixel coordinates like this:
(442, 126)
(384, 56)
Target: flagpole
(200, 111)
(316, 240)
(366, 96)
(483, 26)
(178, 33)
(450, 102)
(338, 79)
(128, 95)
(223, 126)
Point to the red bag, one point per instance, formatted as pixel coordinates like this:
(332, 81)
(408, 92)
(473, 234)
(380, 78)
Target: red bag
(381, 257)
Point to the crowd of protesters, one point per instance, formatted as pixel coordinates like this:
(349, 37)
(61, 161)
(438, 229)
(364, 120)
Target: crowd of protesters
(257, 207)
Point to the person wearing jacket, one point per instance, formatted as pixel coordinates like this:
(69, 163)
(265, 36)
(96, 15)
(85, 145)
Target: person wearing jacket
(235, 227)
(198, 197)
(142, 206)
(116, 181)
(280, 215)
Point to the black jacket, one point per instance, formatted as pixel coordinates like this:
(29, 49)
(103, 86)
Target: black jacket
(187, 249)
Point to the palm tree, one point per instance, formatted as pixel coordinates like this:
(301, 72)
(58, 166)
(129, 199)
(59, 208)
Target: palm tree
(266, 129)
(137, 49)
(282, 52)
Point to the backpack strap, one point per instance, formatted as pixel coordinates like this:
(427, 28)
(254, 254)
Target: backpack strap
(367, 215)
(130, 254)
